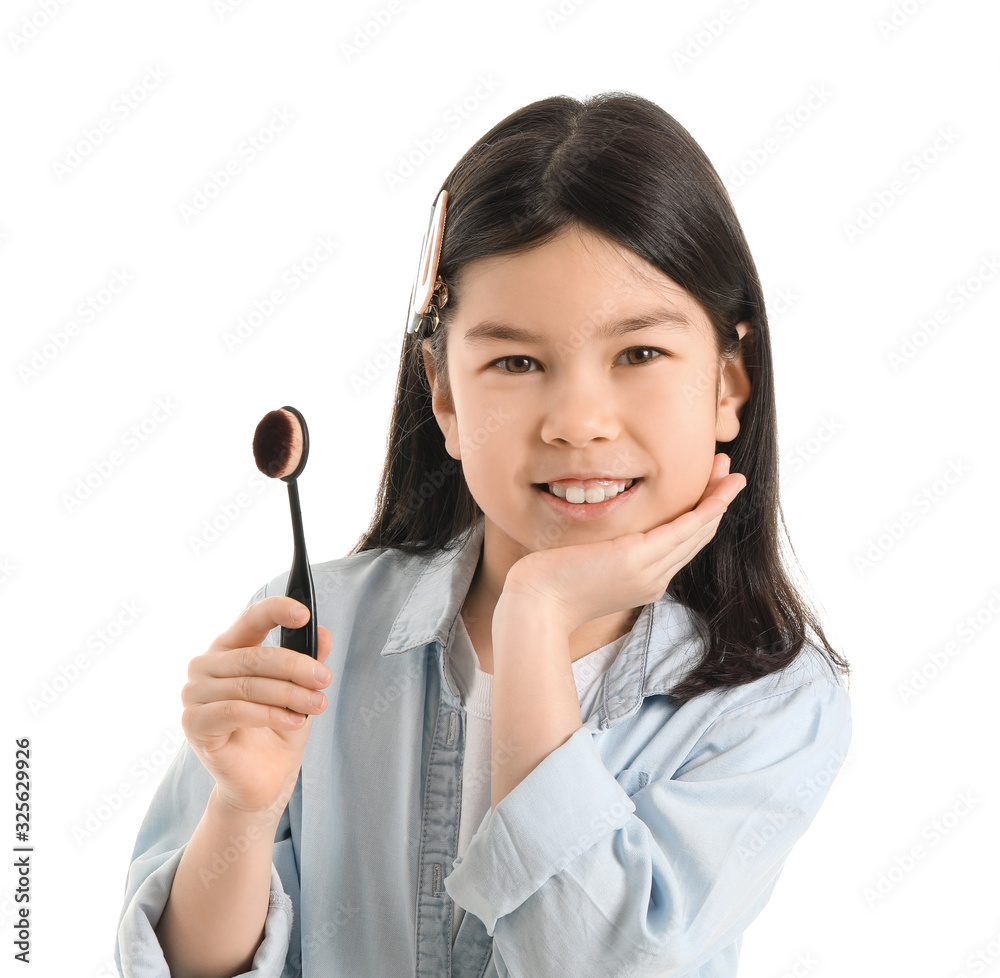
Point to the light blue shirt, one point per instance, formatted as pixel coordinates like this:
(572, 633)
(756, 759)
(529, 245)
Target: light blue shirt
(644, 845)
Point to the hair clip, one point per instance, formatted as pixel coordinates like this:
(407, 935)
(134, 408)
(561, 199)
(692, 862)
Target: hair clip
(427, 286)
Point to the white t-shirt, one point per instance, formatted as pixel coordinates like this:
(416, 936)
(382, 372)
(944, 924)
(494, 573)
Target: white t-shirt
(476, 689)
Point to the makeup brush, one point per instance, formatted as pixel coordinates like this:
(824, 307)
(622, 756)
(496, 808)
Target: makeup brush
(280, 449)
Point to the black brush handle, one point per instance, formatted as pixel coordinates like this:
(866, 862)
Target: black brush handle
(300, 585)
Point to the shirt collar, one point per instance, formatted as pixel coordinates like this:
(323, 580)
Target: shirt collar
(662, 647)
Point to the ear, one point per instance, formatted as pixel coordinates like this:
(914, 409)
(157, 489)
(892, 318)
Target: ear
(441, 403)
(734, 391)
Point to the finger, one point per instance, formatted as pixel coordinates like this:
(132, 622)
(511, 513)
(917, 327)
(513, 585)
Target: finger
(719, 496)
(683, 551)
(205, 722)
(252, 626)
(269, 675)
(257, 660)
(668, 537)
(721, 481)
(269, 661)
(324, 642)
(262, 691)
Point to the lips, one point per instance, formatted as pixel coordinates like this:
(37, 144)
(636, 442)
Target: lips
(575, 490)
(583, 511)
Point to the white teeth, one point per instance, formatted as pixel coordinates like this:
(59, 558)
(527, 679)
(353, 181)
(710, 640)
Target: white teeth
(593, 494)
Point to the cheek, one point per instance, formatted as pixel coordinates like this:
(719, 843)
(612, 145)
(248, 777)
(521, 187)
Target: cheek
(482, 437)
(681, 418)
(682, 441)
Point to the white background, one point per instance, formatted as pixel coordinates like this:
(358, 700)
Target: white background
(900, 135)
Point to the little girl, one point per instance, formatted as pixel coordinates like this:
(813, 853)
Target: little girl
(573, 723)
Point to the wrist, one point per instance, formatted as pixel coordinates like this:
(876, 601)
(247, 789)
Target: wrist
(530, 614)
(243, 820)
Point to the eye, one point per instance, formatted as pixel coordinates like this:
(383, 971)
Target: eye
(648, 349)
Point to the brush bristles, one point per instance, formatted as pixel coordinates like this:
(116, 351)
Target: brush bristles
(277, 444)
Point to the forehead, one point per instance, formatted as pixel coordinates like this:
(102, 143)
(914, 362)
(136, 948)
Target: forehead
(577, 278)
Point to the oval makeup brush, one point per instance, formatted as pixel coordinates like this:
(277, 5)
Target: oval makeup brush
(280, 449)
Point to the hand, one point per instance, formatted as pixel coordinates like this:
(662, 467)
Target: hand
(244, 706)
(581, 582)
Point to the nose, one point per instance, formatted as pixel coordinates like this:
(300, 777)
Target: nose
(580, 411)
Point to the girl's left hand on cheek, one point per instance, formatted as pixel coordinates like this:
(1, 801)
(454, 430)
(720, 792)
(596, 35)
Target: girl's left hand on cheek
(585, 581)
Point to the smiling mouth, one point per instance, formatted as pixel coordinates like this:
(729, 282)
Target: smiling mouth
(597, 494)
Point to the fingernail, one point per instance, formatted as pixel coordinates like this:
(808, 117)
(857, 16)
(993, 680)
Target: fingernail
(728, 462)
(299, 613)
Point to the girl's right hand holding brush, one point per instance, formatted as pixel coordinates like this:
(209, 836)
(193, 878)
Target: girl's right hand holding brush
(244, 706)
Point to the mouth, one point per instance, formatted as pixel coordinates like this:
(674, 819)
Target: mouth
(592, 496)
(587, 512)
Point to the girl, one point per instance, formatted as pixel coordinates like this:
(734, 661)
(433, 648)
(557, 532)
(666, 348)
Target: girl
(562, 734)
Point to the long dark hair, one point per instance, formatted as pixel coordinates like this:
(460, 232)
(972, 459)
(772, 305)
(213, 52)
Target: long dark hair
(620, 165)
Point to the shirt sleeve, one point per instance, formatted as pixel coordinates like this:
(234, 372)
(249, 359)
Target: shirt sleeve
(175, 811)
(571, 875)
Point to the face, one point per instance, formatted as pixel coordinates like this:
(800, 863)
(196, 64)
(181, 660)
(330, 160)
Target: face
(648, 404)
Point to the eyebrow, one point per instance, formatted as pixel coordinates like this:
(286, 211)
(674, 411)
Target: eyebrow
(492, 329)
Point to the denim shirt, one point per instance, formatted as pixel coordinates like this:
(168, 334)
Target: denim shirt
(644, 845)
